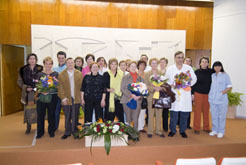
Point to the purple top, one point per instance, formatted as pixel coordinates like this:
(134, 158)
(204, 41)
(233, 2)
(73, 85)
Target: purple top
(85, 70)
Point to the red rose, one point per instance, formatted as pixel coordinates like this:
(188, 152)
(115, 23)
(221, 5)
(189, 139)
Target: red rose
(110, 130)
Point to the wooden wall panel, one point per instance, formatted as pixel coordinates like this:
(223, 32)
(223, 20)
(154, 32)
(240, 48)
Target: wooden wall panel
(16, 17)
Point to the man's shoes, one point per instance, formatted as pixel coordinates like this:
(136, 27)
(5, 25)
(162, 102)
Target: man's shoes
(183, 134)
(136, 139)
(189, 127)
(143, 131)
(65, 136)
(149, 135)
(171, 134)
(197, 132)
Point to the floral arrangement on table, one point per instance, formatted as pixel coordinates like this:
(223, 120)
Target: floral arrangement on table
(48, 85)
(109, 130)
(138, 89)
(157, 80)
(182, 81)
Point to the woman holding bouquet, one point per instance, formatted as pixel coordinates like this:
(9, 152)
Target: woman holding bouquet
(113, 80)
(131, 114)
(28, 74)
(221, 85)
(43, 104)
(153, 112)
(93, 93)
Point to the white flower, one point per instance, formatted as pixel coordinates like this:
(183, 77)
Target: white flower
(115, 128)
(104, 130)
(95, 129)
(119, 132)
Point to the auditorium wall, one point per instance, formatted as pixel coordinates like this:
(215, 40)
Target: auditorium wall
(16, 17)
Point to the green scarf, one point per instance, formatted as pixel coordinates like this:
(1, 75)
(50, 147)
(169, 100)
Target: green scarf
(115, 82)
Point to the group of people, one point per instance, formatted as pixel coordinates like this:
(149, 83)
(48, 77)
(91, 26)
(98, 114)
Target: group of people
(101, 88)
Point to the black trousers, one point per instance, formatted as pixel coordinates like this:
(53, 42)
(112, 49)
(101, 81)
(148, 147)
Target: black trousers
(165, 119)
(147, 117)
(90, 105)
(119, 112)
(41, 111)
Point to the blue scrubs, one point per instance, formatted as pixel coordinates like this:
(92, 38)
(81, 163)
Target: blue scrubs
(218, 101)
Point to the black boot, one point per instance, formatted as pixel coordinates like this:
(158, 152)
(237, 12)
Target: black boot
(28, 128)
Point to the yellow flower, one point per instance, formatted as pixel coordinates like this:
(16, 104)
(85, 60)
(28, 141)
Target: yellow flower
(100, 120)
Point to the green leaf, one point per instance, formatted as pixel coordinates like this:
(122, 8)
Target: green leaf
(234, 98)
(107, 143)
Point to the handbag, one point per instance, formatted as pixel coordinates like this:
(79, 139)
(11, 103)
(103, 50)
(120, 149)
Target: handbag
(167, 97)
(144, 103)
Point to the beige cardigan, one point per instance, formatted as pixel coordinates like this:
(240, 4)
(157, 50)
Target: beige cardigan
(64, 90)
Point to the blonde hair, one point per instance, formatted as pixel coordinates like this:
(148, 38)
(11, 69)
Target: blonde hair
(47, 59)
(132, 62)
(153, 59)
(111, 60)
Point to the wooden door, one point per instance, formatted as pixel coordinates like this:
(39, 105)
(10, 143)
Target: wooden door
(11, 60)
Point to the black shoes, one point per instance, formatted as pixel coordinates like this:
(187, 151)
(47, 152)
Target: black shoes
(39, 136)
(161, 135)
(52, 135)
(149, 135)
(28, 129)
(189, 127)
(171, 134)
(65, 136)
(197, 132)
(183, 134)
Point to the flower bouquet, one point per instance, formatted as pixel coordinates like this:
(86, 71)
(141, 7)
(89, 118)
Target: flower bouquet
(182, 81)
(138, 89)
(46, 84)
(157, 81)
(107, 130)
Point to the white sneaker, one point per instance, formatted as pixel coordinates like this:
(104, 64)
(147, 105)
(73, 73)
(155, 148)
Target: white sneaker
(213, 133)
(220, 135)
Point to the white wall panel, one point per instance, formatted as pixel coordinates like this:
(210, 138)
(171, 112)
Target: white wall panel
(106, 42)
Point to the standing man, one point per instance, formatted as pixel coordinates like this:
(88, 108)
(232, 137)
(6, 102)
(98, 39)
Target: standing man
(70, 81)
(61, 57)
(183, 103)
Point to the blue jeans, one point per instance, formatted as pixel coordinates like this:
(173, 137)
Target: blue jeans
(57, 113)
(218, 112)
(174, 119)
